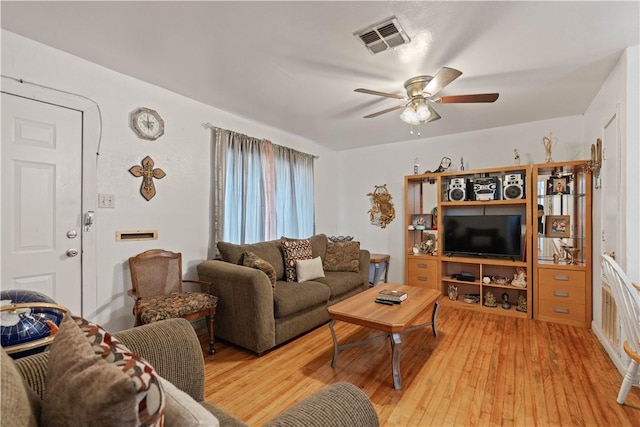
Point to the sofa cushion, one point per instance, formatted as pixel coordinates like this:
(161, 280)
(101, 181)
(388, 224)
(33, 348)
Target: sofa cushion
(309, 269)
(342, 256)
(175, 304)
(318, 244)
(294, 250)
(340, 282)
(254, 261)
(182, 411)
(270, 251)
(290, 298)
(20, 405)
(104, 384)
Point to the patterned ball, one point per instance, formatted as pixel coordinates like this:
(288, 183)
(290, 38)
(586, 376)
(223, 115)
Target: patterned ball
(29, 324)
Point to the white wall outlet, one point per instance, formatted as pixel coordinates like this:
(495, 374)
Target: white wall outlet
(106, 201)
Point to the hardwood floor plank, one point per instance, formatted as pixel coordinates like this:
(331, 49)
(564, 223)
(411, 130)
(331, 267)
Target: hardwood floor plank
(483, 369)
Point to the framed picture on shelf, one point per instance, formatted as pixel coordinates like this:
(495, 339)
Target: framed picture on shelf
(558, 185)
(422, 221)
(557, 225)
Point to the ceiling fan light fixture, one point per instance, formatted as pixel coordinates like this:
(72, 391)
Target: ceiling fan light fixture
(416, 113)
(409, 116)
(422, 111)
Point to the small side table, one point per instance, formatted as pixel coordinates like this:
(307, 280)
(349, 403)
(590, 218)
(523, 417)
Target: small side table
(376, 260)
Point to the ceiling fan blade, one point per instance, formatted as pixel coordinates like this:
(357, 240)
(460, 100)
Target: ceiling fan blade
(462, 99)
(375, 92)
(445, 76)
(388, 110)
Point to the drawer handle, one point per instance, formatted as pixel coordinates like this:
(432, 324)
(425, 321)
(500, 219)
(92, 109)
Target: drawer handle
(562, 277)
(422, 278)
(422, 265)
(561, 293)
(561, 310)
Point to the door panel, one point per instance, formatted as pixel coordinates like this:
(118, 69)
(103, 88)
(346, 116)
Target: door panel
(612, 206)
(42, 199)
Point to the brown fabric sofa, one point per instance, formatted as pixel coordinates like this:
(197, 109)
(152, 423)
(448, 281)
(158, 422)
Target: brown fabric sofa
(255, 316)
(173, 349)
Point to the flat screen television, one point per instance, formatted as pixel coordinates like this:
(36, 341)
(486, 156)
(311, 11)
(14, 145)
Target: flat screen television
(483, 235)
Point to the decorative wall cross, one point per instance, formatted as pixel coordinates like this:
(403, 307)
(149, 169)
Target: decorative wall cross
(147, 172)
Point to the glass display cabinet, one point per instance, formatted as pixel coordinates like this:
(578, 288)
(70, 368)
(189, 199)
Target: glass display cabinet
(562, 243)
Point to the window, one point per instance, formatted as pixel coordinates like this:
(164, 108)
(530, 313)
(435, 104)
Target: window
(261, 191)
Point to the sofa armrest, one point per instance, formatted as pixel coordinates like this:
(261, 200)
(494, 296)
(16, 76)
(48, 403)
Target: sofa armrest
(244, 314)
(33, 369)
(336, 405)
(363, 267)
(173, 349)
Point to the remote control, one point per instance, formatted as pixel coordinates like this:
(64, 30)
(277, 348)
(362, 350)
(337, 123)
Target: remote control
(380, 301)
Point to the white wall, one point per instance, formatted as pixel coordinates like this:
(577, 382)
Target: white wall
(620, 94)
(180, 210)
(388, 164)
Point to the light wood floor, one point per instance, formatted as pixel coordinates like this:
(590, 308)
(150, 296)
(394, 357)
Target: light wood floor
(482, 369)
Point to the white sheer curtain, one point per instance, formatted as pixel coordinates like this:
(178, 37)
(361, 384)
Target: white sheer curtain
(261, 191)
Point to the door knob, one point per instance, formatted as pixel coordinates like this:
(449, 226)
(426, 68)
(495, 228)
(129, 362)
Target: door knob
(72, 252)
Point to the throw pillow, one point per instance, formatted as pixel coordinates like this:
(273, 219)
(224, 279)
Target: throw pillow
(294, 250)
(104, 383)
(309, 269)
(182, 410)
(20, 405)
(254, 261)
(342, 256)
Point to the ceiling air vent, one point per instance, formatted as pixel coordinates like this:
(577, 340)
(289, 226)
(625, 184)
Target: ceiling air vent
(383, 35)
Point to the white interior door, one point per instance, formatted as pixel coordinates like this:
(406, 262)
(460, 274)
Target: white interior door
(42, 199)
(612, 189)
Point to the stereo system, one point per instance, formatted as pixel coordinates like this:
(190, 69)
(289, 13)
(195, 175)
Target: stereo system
(513, 186)
(487, 188)
(458, 189)
(509, 187)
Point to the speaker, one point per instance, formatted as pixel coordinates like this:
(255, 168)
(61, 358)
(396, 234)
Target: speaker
(457, 189)
(513, 186)
(487, 188)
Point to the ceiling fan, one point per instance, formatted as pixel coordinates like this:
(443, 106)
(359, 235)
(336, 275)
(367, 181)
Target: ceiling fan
(421, 91)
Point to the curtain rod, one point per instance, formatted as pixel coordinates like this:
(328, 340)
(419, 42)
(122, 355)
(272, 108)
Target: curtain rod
(211, 126)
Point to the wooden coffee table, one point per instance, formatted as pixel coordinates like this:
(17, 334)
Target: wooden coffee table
(393, 320)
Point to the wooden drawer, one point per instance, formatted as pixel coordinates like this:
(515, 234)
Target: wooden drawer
(552, 276)
(562, 295)
(565, 311)
(422, 272)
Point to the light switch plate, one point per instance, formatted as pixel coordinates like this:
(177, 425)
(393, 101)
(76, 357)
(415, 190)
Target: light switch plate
(106, 201)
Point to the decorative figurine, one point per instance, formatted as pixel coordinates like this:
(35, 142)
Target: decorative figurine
(453, 292)
(549, 143)
(505, 301)
(516, 157)
(522, 303)
(461, 163)
(571, 255)
(556, 259)
(519, 278)
(489, 300)
(486, 280)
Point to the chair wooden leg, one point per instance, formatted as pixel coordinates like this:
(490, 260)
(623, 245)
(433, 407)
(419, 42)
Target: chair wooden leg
(211, 319)
(627, 382)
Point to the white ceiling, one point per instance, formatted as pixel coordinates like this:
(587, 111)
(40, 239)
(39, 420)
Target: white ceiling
(294, 64)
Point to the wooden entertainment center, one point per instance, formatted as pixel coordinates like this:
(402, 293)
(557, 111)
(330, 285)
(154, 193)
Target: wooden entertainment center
(494, 250)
